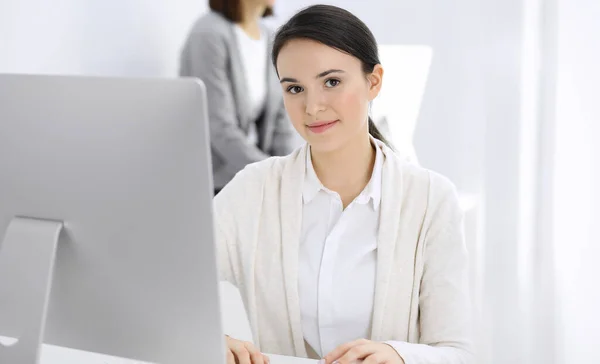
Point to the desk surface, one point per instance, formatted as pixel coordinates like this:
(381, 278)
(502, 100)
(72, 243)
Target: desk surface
(58, 355)
(278, 359)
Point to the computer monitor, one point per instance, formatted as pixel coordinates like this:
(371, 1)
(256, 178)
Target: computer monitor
(105, 208)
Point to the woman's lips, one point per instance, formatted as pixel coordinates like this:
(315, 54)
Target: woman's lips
(321, 126)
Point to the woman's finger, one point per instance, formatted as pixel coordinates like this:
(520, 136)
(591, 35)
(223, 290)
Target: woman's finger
(241, 353)
(256, 356)
(230, 357)
(358, 352)
(377, 358)
(338, 352)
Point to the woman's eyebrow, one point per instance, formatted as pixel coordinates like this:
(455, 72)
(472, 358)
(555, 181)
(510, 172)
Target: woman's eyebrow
(328, 72)
(320, 75)
(288, 79)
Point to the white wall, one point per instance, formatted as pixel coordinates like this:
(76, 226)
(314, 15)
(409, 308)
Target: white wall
(542, 236)
(108, 37)
(577, 180)
(504, 325)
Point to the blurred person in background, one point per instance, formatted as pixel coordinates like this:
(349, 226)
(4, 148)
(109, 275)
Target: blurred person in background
(228, 49)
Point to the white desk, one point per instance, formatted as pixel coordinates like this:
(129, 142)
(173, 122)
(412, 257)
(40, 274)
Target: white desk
(58, 355)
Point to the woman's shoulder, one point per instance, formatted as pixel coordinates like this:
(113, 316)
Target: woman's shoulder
(434, 181)
(416, 177)
(258, 173)
(212, 23)
(251, 180)
(421, 189)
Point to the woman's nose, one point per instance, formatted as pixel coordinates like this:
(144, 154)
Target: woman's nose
(314, 104)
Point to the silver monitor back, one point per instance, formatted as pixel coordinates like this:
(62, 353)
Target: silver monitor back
(123, 167)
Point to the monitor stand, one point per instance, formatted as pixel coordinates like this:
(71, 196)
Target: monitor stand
(26, 269)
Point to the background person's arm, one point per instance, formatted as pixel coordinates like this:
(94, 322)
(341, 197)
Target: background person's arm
(205, 57)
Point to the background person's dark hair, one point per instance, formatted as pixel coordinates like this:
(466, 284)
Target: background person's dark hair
(232, 9)
(336, 28)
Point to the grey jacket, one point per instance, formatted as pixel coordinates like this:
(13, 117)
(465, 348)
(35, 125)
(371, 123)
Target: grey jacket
(211, 54)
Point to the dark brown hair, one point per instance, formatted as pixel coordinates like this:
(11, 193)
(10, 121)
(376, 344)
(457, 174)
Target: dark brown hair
(336, 28)
(232, 9)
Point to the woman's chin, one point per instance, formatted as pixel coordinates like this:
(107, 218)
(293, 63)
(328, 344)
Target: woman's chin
(323, 145)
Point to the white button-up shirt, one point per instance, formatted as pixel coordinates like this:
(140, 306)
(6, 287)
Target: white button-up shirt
(338, 261)
(255, 59)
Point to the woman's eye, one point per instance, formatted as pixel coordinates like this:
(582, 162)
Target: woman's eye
(294, 89)
(332, 82)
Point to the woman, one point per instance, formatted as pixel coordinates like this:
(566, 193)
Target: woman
(341, 250)
(228, 49)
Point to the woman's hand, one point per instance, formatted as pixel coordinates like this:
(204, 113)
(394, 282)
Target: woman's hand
(370, 352)
(243, 352)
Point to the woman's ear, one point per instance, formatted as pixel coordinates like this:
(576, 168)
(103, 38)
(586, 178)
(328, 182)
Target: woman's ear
(375, 79)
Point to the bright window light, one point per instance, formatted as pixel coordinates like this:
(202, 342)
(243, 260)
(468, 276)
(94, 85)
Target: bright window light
(396, 109)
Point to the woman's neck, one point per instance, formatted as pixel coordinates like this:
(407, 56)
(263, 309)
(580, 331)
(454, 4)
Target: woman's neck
(250, 23)
(346, 170)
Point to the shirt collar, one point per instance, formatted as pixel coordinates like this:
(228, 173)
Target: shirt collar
(312, 185)
(372, 192)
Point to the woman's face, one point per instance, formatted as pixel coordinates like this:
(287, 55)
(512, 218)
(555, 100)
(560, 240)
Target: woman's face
(326, 93)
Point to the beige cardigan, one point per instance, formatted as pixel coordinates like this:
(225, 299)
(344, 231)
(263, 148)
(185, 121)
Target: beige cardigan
(421, 293)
